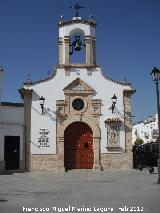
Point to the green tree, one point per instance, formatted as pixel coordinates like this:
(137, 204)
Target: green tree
(138, 141)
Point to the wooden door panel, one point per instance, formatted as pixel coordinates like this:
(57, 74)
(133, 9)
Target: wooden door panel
(78, 146)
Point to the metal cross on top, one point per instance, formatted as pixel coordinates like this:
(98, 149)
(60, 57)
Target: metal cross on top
(77, 8)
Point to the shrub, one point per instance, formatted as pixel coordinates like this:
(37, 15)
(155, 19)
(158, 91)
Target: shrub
(138, 141)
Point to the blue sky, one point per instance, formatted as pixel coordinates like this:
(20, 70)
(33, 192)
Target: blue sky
(128, 43)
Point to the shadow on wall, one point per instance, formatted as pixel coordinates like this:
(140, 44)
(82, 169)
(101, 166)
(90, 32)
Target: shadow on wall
(53, 115)
(126, 115)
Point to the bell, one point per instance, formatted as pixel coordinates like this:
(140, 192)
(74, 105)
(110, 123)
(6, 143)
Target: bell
(77, 43)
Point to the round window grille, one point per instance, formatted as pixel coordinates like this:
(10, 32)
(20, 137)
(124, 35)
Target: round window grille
(78, 104)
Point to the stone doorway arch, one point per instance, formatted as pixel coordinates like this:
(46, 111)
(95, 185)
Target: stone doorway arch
(78, 146)
(96, 138)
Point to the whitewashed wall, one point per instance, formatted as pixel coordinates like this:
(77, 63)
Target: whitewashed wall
(11, 124)
(52, 90)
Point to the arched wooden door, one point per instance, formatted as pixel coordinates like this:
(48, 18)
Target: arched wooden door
(78, 146)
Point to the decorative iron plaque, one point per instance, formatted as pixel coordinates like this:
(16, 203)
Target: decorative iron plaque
(43, 140)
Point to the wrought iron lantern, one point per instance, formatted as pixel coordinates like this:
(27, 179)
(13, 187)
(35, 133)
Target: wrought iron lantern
(42, 99)
(114, 101)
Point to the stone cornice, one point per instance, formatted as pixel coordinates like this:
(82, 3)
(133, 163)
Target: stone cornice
(129, 91)
(69, 66)
(96, 102)
(25, 92)
(12, 104)
(90, 22)
(61, 103)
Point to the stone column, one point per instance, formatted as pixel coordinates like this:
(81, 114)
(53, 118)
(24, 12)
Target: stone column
(60, 45)
(88, 50)
(96, 147)
(94, 50)
(27, 95)
(66, 49)
(128, 125)
(60, 150)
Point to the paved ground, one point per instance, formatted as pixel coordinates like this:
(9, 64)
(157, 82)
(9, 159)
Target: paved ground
(80, 191)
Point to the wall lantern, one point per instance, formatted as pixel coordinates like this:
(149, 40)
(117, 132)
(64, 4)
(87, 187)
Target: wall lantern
(114, 100)
(42, 99)
(76, 45)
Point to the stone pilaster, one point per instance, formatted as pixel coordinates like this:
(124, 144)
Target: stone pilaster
(96, 147)
(60, 150)
(27, 95)
(66, 49)
(60, 45)
(88, 50)
(128, 125)
(94, 50)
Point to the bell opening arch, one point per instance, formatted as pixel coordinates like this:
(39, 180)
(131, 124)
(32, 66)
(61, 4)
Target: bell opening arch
(77, 50)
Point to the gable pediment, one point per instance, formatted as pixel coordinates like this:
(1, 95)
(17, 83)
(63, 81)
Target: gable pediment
(78, 86)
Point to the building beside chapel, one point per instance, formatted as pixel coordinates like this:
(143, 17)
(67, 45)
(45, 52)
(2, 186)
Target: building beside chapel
(147, 130)
(77, 118)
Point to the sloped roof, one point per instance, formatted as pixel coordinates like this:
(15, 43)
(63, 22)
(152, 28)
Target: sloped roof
(12, 104)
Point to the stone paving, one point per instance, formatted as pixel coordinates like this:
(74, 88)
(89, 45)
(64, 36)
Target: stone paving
(80, 191)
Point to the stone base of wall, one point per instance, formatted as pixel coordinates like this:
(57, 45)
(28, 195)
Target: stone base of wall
(111, 161)
(116, 161)
(47, 163)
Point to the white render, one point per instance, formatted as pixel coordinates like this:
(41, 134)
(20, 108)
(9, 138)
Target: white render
(12, 124)
(52, 90)
(146, 130)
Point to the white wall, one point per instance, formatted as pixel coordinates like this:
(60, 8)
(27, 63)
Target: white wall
(11, 124)
(12, 114)
(52, 90)
(86, 28)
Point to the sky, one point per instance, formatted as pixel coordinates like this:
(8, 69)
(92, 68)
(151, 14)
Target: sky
(127, 39)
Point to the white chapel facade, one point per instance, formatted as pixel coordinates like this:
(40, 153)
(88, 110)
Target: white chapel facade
(77, 126)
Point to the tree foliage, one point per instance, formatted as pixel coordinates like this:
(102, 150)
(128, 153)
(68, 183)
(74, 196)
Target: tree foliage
(138, 141)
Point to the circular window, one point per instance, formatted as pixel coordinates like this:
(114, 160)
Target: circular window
(78, 104)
